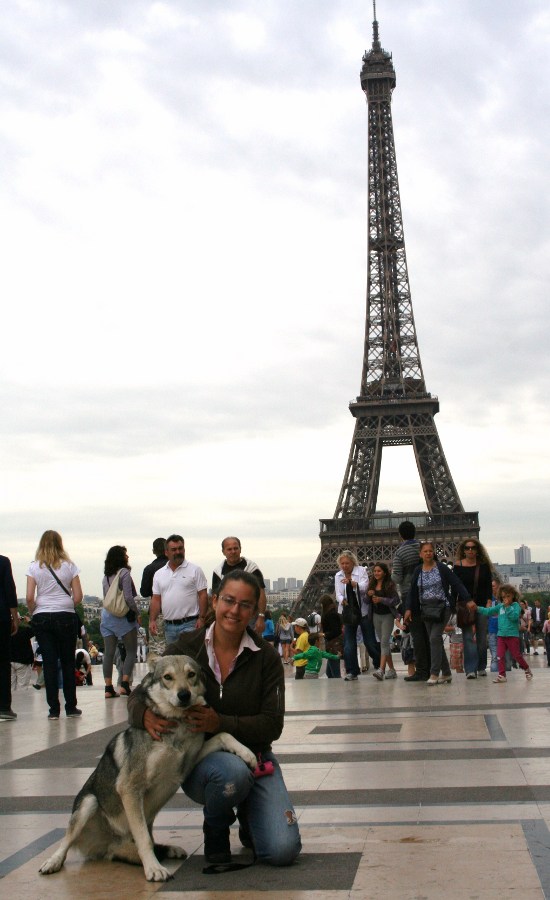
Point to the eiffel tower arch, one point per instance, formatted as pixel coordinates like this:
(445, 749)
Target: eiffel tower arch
(393, 408)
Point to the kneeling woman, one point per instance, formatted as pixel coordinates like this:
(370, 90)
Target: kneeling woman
(430, 597)
(245, 686)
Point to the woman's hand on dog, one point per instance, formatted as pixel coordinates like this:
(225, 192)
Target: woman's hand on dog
(156, 726)
(202, 719)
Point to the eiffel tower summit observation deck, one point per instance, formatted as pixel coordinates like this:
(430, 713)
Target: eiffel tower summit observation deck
(393, 407)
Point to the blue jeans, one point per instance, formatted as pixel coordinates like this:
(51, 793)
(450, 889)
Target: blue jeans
(172, 632)
(475, 646)
(56, 636)
(222, 782)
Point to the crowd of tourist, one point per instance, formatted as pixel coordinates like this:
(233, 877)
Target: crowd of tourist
(414, 606)
(442, 615)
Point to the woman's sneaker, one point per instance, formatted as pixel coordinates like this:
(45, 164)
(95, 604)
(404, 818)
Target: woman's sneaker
(499, 679)
(391, 673)
(378, 674)
(433, 679)
(471, 675)
(444, 679)
(350, 677)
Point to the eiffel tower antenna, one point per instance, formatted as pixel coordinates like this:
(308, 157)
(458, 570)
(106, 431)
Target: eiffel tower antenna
(394, 407)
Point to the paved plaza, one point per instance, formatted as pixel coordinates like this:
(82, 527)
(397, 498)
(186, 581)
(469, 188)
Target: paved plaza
(402, 791)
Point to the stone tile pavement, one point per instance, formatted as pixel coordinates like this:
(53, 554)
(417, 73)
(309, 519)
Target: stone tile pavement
(402, 791)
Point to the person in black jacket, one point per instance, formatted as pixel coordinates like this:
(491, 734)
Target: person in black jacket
(474, 569)
(9, 623)
(430, 597)
(159, 546)
(244, 679)
(331, 626)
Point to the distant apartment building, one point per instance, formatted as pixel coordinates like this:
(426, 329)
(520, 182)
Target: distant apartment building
(291, 584)
(531, 575)
(522, 556)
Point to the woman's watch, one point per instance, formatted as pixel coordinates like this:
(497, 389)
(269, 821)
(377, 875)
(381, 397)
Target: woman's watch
(261, 615)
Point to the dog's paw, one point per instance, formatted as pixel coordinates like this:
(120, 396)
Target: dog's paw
(248, 757)
(173, 852)
(169, 851)
(50, 866)
(157, 873)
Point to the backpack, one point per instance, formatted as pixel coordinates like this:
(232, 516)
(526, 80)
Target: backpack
(312, 619)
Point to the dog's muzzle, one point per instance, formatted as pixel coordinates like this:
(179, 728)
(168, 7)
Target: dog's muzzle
(184, 697)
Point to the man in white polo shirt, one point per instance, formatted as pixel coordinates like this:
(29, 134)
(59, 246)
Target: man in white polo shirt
(179, 592)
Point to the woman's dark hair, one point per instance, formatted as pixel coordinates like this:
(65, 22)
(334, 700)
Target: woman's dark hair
(387, 583)
(327, 602)
(245, 577)
(115, 560)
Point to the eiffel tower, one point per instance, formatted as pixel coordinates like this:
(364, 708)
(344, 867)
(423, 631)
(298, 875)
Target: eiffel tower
(394, 407)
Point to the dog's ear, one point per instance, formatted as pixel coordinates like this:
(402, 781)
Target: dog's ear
(147, 680)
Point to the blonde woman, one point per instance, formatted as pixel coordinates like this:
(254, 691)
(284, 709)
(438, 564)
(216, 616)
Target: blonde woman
(53, 591)
(285, 633)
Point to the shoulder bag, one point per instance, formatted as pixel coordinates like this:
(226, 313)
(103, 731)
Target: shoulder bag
(465, 616)
(60, 583)
(114, 601)
(351, 611)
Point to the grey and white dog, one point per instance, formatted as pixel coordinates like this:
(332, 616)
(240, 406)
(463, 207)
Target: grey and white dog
(113, 814)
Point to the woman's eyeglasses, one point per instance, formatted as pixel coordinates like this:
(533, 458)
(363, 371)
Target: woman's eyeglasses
(243, 606)
(470, 547)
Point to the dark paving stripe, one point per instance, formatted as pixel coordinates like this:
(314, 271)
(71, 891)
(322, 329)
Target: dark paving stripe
(431, 796)
(81, 753)
(351, 756)
(494, 728)
(392, 710)
(30, 851)
(538, 841)
(407, 754)
(356, 729)
(310, 872)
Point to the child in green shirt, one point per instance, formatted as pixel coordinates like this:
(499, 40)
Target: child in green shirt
(314, 657)
(509, 612)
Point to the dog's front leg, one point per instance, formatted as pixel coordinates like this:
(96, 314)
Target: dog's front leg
(227, 742)
(78, 821)
(132, 801)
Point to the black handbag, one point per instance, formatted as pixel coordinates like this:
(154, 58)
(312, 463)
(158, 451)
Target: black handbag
(351, 611)
(465, 615)
(433, 611)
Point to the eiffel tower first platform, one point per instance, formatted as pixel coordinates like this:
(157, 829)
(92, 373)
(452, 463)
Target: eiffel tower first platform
(394, 407)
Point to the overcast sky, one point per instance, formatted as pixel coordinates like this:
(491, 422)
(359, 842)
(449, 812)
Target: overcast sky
(183, 230)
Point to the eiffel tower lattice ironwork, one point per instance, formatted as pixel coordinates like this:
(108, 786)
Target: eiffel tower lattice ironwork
(394, 407)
